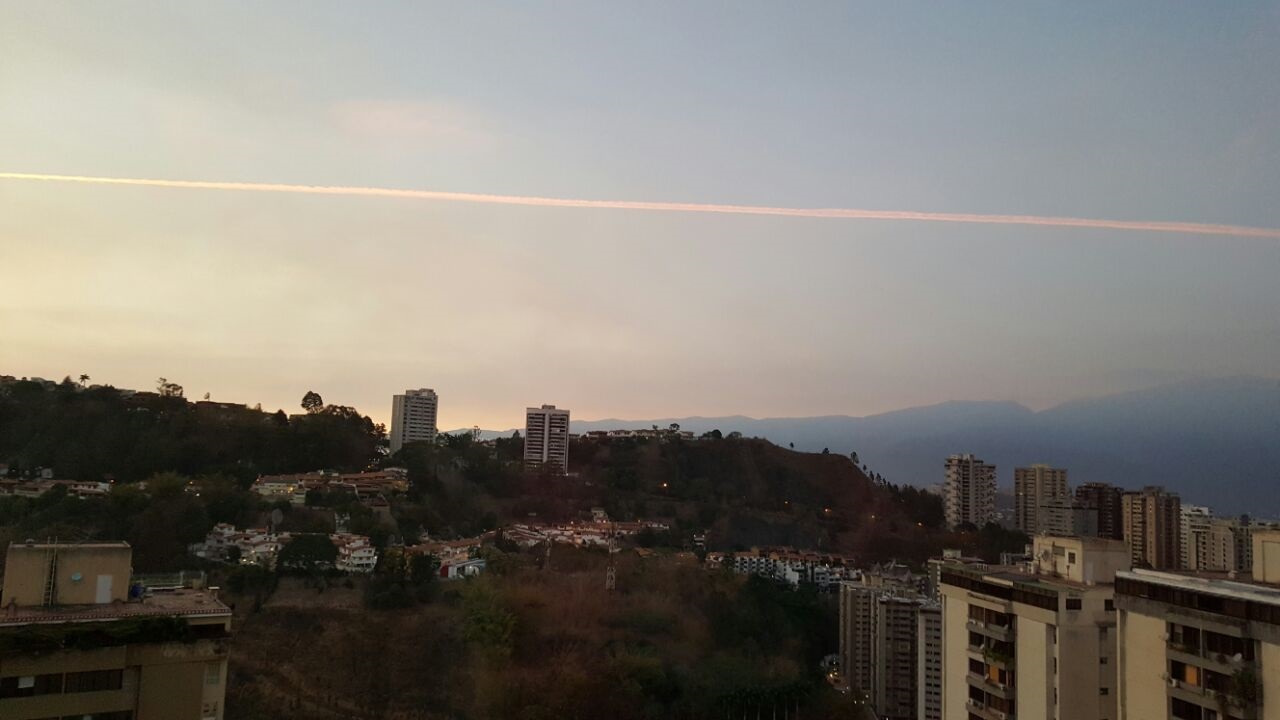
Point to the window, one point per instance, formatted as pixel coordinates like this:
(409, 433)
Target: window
(1110, 605)
(1071, 558)
(1073, 603)
(30, 685)
(94, 681)
(213, 673)
(1103, 660)
(1104, 691)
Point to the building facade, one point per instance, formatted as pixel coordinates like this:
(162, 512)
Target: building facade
(82, 642)
(1041, 501)
(969, 491)
(413, 417)
(929, 662)
(1106, 501)
(1196, 647)
(1153, 528)
(1195, 523)
(880, 647)
(546, 438)
(1033, 644)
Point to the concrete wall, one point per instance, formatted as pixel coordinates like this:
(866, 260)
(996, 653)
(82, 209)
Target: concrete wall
(1142, 662)
(1269, 673)
(1266, 556)
(955, 659)
(85, 575)
(1034, 676)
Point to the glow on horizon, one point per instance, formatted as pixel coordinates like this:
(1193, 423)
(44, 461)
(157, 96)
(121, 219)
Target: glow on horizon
(1156, 226)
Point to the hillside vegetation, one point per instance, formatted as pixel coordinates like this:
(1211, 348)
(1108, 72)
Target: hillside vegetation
(673, 641)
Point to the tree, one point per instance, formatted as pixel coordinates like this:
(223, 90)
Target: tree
(168, 389)
(854, 457)
(674, 427)
(308, 553)
(826, 451)
(312, 402)
(84, 379)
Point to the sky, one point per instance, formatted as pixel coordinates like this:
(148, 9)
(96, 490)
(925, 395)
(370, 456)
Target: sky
(1136, 111)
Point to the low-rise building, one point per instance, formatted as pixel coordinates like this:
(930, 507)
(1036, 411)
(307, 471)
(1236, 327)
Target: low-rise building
(81, 641)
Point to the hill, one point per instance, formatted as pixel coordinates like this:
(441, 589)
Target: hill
(1213, 441)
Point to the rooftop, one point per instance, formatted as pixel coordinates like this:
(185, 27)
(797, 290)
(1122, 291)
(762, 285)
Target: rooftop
(1211, 583)
(174, 603)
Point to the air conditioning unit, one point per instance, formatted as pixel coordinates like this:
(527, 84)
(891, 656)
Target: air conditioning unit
(1173, 683)
(1165, 677)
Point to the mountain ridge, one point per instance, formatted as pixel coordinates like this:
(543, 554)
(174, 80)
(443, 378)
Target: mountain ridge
(1216, 441)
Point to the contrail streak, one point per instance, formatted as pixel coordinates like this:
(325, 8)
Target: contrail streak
(834, 213)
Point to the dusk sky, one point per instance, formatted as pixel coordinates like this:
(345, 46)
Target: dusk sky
(1137, 111)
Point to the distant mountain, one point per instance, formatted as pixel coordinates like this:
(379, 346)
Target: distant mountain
(1215, 441)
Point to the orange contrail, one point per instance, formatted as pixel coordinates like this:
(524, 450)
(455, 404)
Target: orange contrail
(838, 213)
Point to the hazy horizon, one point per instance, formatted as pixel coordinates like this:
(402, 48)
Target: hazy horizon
(1138, 113)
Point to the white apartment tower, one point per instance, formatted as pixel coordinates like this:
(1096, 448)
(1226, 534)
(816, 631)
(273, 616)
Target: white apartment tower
(413, 417)
(1042, 504)
(969, 491)
(546, 438)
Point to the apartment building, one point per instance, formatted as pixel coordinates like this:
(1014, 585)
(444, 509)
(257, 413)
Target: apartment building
(929, 662)
(546, 438)
(857, 618)
(1230, 545)
(81, 642)
(1041, 501)
(1195, 523)
(880, 648)
(1153, 527)
(1106, 501)
(1035, 643)
(1201, 647)
(413, 417)
(969, 491)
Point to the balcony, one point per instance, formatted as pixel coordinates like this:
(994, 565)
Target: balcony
(998, 632)
(982, 682)
(986, 712)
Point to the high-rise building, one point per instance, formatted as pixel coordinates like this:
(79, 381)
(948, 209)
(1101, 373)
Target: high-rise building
(546, 438)
(929, 662)
(969, 491)
(81, 640)
(1153, 527)
(880, 647)
(894, 659)
(1033, 644)
(1195, 522)
(413, 417)
(1230, 545)
(857, 620)
(1105, 500)
(1041, 501)
(1195, 647)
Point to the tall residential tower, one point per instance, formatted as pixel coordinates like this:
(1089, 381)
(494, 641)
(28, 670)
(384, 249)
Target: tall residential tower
(546, 438)
(969, 491)
(1041, 501)
(413, 417)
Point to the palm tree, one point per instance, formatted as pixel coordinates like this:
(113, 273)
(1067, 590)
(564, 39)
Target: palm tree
(83, 379)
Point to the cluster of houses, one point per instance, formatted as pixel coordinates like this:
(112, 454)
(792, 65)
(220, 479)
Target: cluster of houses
(35, 487)
(598, 532)
(261, 546)
(659, 433)
(458, 558)
(825, 570)
(294, 488)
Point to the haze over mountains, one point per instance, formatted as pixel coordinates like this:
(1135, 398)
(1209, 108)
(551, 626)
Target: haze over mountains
(1215, 441)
